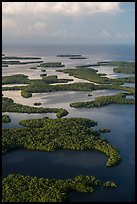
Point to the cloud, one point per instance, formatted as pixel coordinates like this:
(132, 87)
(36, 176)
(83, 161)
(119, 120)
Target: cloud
(63, 8)
(70, 21)
(105, 34)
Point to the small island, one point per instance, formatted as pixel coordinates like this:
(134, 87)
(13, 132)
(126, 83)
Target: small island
(104, 130)
(77, 57)
(110, 184)
(52, 64)
(20, 58)
(6, 119)
(17, 62)
(37, 104)
(68, 55)
(58, 133)
(5, 65)
(43, 70)
(43, 75)
(15, 79)
(33, 67)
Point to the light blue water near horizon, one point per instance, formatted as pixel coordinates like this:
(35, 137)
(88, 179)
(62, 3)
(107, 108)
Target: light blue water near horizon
(99, 51)
(65, 164)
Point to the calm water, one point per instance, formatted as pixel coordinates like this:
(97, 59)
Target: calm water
(65, 164)
(96, 52)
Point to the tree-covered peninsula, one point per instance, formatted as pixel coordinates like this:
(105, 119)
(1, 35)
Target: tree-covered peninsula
(104, 100)
(8, 105)
(54, 134)
(23, 79)
(17, 62)
(51, 64)
(15, 79)
(121, 66)
(6, 119)
(109, 184)
(92, 75)
(20, 188)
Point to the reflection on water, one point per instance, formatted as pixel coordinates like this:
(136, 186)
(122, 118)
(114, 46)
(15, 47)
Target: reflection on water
(130, 97)
(129, 84)
(60, 164)
(16, 117)
(58, 99)
(45, 161)
(108, 70)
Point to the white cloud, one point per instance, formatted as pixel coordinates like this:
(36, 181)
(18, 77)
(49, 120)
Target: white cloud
(105, 34)
(63, 8)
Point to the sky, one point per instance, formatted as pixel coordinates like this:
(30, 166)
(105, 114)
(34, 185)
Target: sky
(68, 22)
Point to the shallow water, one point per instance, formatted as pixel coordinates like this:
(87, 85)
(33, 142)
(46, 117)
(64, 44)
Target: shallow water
(58, 99)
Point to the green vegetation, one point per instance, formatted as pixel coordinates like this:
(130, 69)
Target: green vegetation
(61, 113)
(17, 62)
(26, 94)
(6, 119)
(104, 130)
(43, 85)
(20, 79)
(109, 184)
(40, 86)
(19, 188)
(33, 67)
(86, 65)
(121, 66)
(10, 62)
(104, 100)
(68, 56)
(43, 70)
(15, 79)
(4, 65)
(54, 134)
(128, 70)
(43, 75)
(12, 88)
(92, 75)
(21, 58)
(8, 105)
(74, 57)
(37, 104)
(51, 64)
(54, 79)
